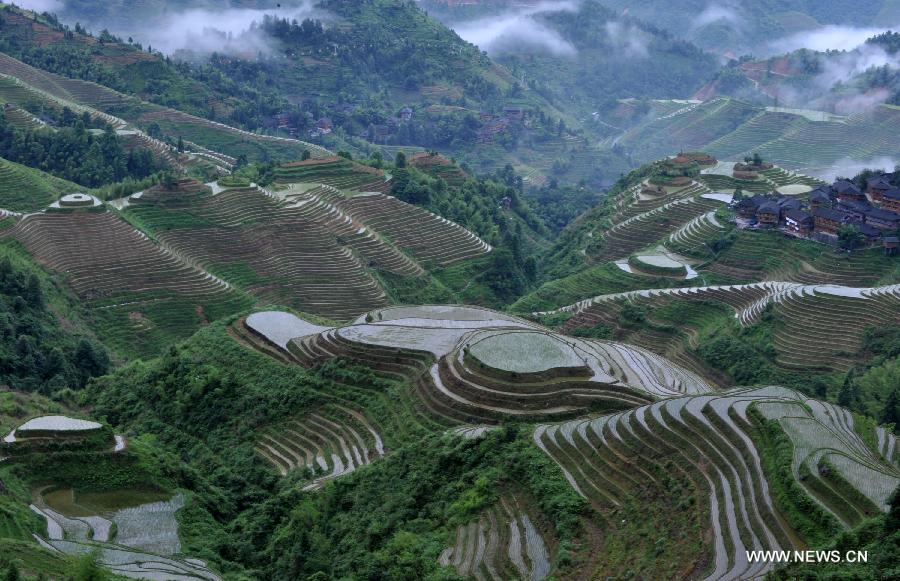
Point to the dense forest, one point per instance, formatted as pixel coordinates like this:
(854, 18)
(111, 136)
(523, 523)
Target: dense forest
(74, 153)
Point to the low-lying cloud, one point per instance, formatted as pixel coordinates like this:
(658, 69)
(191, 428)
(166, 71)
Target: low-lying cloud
(627, 40)
(201, 29)
(847, 167)
(844, 56)
(830, 37)
(40, 5)
(518, 30)
(718, 13)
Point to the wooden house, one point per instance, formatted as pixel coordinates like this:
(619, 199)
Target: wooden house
(798, 221)
(768, 214)
(828, 220)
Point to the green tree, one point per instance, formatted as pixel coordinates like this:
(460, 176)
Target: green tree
(850, 237)
(88, 569)
(891, 412)
(400, 160)
(848, 394)
(12, 573)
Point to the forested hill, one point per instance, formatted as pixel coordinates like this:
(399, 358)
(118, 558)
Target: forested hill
(741, 27)
(613, 57)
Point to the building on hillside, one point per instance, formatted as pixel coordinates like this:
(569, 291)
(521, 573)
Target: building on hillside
(855, 208)
(405, 114)
(768, 214)
(786, 204)
(873, 235)
(890, 200)
(828, 220)
(847, 191)
(891, 245)
(653, 190)
(876, 186)
(798, 222)
(491, 128)
(514, 113)
(746, 208)
(883, 219)
(821, 197)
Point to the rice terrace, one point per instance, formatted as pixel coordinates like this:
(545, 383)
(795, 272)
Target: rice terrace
(389, 290)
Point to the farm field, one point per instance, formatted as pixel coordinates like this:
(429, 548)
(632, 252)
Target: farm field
(364, 294)
(719, 447)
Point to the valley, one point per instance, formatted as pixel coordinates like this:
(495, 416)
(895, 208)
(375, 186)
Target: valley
(446, 290)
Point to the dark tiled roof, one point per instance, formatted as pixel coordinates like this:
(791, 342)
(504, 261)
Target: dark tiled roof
(869, 231)
(855, 206)
(769, 208)
(830, 214)
(880, 182)
(846, 187)
(789, 204)
(880, 214)
(798, 215)
(893, 194)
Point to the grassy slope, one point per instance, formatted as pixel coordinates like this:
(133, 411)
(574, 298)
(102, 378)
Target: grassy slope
(205, 400)
(23, 189)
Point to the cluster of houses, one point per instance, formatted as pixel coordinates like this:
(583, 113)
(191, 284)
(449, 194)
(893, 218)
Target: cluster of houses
(491, 124)
(875, 212)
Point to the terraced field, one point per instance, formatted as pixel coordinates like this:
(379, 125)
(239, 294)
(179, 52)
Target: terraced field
(108, 104)
(690, 128)
(730, 129)
(140, 541)
(645, 228)
(23, 189)
(434, 347)
(141, 295)
(502, 544)
(716, 442)
(327, 444)
(415, 230)
(696, 237)
(297, 248)
(818, 326)
(21, 118)
(334, 171)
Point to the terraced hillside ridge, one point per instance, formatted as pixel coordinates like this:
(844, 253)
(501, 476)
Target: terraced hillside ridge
(297, 248)
(719, 449)
(22, 118)
(474, 365)
(108, 104)
(139, 541)
(335, 171)
(730, 129)
(503, 543)
(426, 236)
(819, 326)
(326, 444)
(439, 166)
(24, 189)
(139, 295)
(789, 183)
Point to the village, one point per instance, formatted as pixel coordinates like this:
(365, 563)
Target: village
(840, 214)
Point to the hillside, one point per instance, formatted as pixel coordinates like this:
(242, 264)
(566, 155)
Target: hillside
(739, 30)
(333, 293)
(807, 141)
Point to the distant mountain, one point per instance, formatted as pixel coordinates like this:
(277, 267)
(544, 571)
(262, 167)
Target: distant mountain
(582, 55)
(742, 27)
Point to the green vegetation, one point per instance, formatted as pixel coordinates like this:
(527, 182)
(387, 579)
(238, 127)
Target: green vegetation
(74, 154)
(36, 352)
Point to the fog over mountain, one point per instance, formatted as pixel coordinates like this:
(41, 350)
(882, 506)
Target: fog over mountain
(198, 27)
(518, 29)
